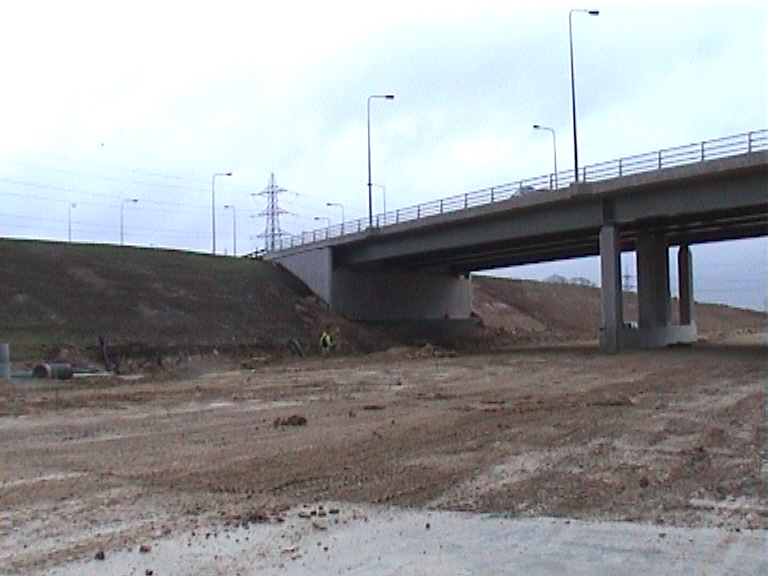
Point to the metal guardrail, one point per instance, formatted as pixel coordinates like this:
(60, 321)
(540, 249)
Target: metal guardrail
(727, 146)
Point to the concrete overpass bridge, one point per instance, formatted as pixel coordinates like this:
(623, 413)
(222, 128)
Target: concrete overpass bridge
(415, 263)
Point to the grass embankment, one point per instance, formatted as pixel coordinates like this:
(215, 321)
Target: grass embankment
(58, 295)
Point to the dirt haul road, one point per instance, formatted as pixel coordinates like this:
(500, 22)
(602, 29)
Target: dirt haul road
(672, 437)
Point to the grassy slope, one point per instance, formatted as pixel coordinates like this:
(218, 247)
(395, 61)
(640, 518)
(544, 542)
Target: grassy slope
(58, 294)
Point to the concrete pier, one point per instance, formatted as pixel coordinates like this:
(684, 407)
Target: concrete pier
(611, 293)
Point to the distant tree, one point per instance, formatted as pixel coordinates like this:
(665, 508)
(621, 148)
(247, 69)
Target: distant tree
(578, 281)
(556, 279)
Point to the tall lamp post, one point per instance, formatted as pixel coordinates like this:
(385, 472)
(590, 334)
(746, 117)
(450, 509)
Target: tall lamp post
(122, 205)
(573, 89)
(383, 199)
(234, 227)
(554, 146)
(339, 205)
(69, 221)
(213, 207)
(327, 225)
(370, 184)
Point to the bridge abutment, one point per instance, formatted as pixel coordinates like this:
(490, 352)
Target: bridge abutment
(381, 295)
(393, 295)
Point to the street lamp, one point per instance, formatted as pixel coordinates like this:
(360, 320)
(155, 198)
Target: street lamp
(327, 225)
(213, 206)
(383, 199)
(342, 212)
(370, 185)
(69, 221)
(340, 206)
(234, 227)
(122, 205)
(573, 89)
(554, 147)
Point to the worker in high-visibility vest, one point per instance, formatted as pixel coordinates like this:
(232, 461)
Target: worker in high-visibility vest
(326, 342)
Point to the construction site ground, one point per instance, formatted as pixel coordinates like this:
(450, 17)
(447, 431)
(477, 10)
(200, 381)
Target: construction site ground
(96, 469)
(219, 449)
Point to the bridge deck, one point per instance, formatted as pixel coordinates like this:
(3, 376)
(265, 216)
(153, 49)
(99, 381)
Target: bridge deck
(709, 201)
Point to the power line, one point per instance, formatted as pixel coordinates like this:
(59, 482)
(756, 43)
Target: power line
(200, 182)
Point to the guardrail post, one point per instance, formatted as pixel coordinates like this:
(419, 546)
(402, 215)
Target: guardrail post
(620, 167)
(702, 151)
(418, 211)
(465, 202)
(492, 195)
(659, 159)
(441, 205)
(749, 142)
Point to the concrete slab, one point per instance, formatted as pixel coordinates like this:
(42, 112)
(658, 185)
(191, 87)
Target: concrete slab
(361, 540)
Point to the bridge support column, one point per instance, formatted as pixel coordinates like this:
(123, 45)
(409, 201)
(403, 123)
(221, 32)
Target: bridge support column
(611, 294)
(655, 328)
(685, 285)
(652, 281)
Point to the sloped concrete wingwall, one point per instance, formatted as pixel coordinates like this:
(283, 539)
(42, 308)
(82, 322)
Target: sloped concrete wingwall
(314, 268)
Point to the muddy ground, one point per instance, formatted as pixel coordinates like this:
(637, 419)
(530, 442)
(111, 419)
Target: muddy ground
(672, 437)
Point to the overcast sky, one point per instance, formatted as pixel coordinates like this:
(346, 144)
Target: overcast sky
(104, 102)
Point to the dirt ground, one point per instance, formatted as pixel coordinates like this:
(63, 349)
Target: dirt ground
(673, 437)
